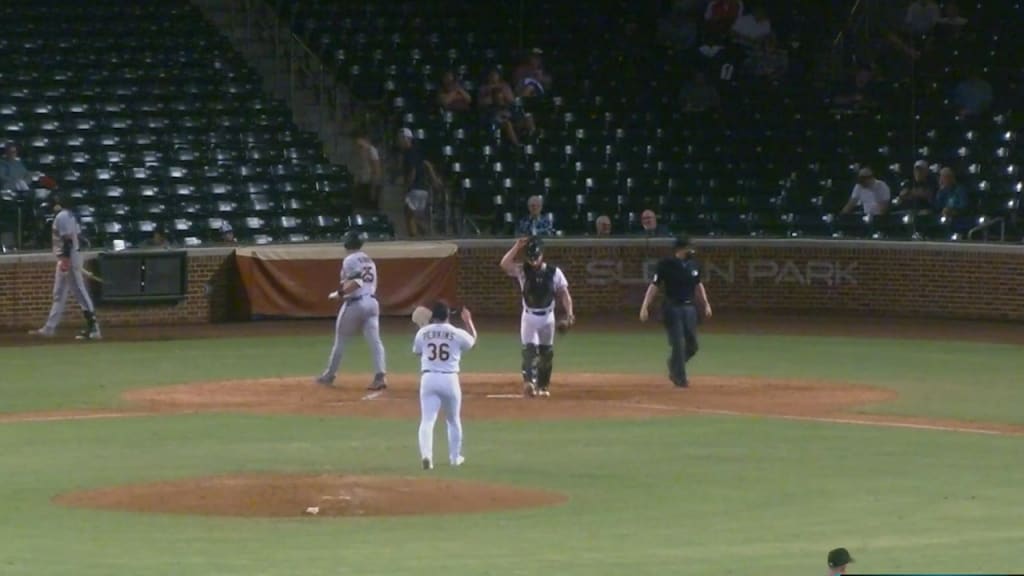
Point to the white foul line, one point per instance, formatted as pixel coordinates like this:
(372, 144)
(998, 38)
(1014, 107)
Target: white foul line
(504, 395)
(853, 421)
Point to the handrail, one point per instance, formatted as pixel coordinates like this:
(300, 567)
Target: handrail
(984, 226)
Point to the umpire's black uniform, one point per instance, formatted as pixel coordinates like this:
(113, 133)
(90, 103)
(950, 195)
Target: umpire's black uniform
(678, 278)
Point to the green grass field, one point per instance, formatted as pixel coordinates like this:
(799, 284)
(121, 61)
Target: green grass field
(689, 495)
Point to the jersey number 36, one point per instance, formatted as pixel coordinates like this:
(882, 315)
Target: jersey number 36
(438, 352)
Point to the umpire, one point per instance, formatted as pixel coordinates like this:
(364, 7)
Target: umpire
(678, 277)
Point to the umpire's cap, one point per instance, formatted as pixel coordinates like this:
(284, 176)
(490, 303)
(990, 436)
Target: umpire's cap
(354, 239)
(534, 248)
(440, 312)
(839, 557)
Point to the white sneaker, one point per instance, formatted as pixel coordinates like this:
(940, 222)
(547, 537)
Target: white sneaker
(42, 333)
(459, 461)
(427, 464)
(543, 392)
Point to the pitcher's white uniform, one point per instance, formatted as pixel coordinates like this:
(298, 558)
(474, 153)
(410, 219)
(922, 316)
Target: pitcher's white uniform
(440, 347)
(537, 325)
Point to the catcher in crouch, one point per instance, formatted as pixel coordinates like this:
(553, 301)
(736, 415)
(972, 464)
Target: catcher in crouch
(541, 284)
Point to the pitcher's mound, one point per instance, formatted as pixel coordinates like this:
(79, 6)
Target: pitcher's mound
(283, 495)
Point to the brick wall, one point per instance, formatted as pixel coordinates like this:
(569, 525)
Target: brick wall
(906, 279)
(26, 285)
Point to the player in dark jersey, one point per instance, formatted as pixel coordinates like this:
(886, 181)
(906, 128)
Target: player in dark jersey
(541, 284)
(678, 278)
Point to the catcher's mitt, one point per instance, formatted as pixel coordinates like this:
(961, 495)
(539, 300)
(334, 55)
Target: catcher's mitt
(565, 324)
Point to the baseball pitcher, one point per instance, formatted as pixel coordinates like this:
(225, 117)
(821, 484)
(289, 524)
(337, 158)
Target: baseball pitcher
(440, 346)
(68, 275)
(359, 311)
(541, 284)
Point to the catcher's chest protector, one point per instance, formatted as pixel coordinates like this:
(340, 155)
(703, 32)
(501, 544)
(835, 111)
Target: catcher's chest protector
(539, 287)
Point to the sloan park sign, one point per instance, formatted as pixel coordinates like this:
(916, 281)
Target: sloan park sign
(752, 272)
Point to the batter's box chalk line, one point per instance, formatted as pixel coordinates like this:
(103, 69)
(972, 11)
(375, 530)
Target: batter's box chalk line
(373, 395)
(504, 396)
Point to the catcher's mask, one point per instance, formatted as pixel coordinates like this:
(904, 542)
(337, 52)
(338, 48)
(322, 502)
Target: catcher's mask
(354, 240)
(534, 250)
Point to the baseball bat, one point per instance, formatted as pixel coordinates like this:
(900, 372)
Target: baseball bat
(88, 274)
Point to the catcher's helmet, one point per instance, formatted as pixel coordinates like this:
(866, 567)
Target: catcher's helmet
(534, 248)
(354, 239)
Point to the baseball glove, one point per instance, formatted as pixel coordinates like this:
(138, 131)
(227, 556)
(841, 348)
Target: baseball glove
(421, 316)
(565, 324)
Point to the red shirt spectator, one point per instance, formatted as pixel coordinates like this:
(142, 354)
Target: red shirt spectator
(722, 14)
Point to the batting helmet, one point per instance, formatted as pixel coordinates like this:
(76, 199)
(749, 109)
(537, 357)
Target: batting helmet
(354, 239)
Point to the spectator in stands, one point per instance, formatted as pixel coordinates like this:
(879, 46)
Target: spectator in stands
(603, 226)
(452, 96)
(649, 225)
(13, 174)
(951, 24)
(720, 15)
(495, 101)
(699, 95)
(862, 92)
(227, 233)
(157, 240)
(869, 193)
(973, 95)
(530, 78)
(922, 16)
(753, 28)
(951, 199)
(536, 223)
(768, 60)
(419, 179)
(369, 173)
(919, 193)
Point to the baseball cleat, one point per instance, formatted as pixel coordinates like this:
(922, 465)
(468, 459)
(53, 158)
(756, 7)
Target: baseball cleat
(529, 390)
(41, 333)
(93, 334)
(543, 392)
(325, 380)
(379, 383)
(458, 461)
(427, 464)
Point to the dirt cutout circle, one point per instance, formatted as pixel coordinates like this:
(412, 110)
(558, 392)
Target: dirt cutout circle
(499, 396)
(288, 495)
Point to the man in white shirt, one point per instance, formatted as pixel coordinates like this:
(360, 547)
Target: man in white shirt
(440, 346)
(359, 312)
(870, 193)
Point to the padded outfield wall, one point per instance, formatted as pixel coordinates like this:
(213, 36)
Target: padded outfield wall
(967, 281)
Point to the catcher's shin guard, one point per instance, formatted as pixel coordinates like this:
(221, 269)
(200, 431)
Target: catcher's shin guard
(529, 363)
(545, 364)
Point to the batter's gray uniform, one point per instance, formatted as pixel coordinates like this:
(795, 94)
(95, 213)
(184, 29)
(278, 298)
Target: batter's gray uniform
(66, 229)
(360, 312)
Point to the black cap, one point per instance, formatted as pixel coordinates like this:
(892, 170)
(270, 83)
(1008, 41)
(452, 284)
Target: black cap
(534, 248)
(354, 239)
(439, 311)
(839, 557)
(681, 241)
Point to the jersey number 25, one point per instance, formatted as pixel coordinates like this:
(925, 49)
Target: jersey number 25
(367, 274)
(438, 352)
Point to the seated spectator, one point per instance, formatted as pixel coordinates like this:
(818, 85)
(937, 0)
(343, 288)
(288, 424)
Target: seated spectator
(699, 96)
(720, 15)
(869, 193)
(951, 199)
(496, 101)
(919, 193)
(752, 28)
(649, 225)
(452, 96)
(157, 240)
(13, 174)
(862, 92)
(227, 233)
(536, 223)
(531, 81)
(922, 16)
(951, 24)
(768, 60)
(972, 96)
(603, 226)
